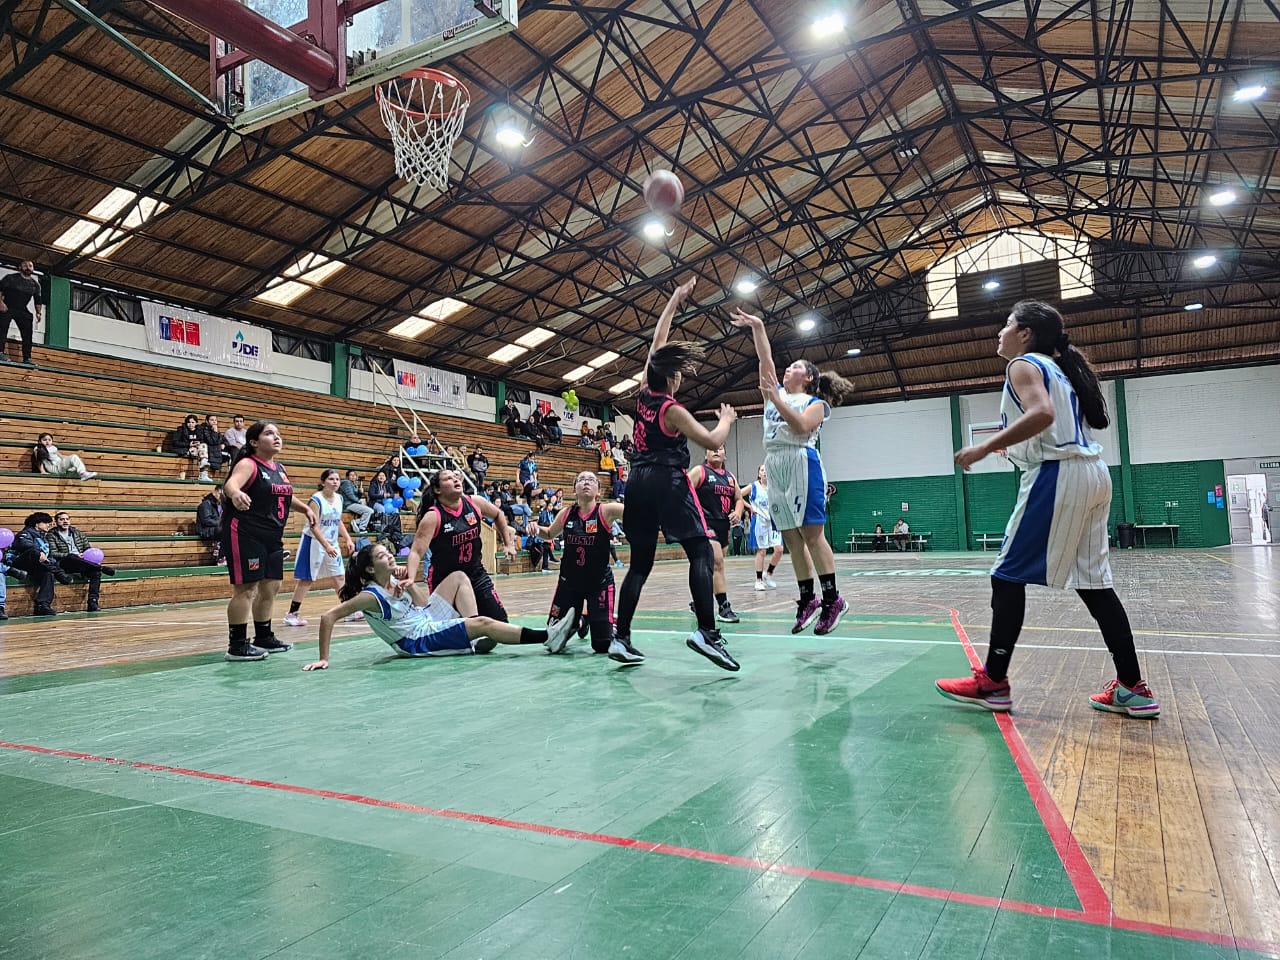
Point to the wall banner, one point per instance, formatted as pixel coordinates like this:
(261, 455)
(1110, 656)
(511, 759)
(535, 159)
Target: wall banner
(192, 335)
(441, 387)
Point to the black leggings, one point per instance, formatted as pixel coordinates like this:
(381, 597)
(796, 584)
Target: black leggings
(1008, 608)
(26, 329)
(701, 567)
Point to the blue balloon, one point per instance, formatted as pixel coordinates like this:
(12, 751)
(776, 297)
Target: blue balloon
(416, 482)
(379, 508)
(402, 482)
(397, 502)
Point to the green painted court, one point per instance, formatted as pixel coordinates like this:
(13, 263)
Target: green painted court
(821, 803)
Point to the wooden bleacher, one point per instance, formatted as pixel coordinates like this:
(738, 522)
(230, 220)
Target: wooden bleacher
(140, 510)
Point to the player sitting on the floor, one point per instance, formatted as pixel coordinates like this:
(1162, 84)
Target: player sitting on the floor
(417, 625)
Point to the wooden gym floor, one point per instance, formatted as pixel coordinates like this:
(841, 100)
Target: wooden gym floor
(824, 802)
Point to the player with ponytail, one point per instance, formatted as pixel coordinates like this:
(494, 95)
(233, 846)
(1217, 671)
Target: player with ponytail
(1057, 535)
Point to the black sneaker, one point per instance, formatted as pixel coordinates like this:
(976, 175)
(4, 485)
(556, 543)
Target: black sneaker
(244, 651)
(726, 614)
(3, 615)
(43, 611)
(93, 606)
(584, 627)
(272, 644)
(621, 650)
(62, 576)
(711, 645)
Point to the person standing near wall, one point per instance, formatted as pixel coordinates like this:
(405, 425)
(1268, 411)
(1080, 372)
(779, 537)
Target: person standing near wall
(18, 291)
(1057, 535)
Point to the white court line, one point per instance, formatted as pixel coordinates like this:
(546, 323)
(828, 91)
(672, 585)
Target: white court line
(1021, 646)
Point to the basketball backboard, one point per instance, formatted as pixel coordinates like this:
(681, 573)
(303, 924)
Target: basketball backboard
(382, 41)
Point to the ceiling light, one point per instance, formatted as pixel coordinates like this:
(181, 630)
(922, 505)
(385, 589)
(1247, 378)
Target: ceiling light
(1224, 196)
(624, 385)
(578, 373)
(536, 336)
(1204, 260)
(853, 351)
(654, 229)
(508, 353)
(1194, 306)
(828, 26)
(807, 324)
(746, 287)
(991, 285)
(510, 135)
(1251, 92)
(607, 357)
(412, 327)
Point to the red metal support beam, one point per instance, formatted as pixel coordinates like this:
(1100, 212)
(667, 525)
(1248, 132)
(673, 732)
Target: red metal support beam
(266, 40)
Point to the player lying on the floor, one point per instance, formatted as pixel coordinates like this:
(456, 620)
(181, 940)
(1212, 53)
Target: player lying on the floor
(417, 625)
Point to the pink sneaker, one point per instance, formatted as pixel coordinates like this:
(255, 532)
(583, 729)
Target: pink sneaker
(293, 620)
(832, 614)
(806, 613)
(980, 690)
(1137, 701)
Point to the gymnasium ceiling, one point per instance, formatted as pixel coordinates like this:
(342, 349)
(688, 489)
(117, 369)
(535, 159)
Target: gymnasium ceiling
(834, 172)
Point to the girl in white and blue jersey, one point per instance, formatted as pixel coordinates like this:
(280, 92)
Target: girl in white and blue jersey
(318, 555)
(1057, 535)
(762, 537)
(414, 624)
(795, 408)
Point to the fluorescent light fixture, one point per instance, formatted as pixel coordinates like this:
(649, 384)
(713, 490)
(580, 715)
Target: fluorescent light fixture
(807, 324)
(508, 353)
(509, 135)
(1204, 260)
(829, 25)
(624, 385)
(654, 229)
(536, 336)
(1251, 92)
(1194, 306)
(853, 351)
(607, 357)
(746, 287)
(412, 327)
(578, 373)
(443, 309)
(106, 209)
(991, 285)
(1221, 197)
(312, 269)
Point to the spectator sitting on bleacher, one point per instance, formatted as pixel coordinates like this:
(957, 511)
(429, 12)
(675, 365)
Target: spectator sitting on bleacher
(211, 437)
(45, 458)
(479, 465)
(379, 490)
(584, 435)
(394, 471)
(902, 535)
(353, 503)
(512, 420)
(30, 554)
(185, 442)
(209, 521)
(519, 515)
(533, 428)
(879, 541)
(233, 439)
(551, 427)
(66, 548)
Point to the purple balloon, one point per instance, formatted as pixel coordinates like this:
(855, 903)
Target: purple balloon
(6, 538)
(404, 552)
(93, 555)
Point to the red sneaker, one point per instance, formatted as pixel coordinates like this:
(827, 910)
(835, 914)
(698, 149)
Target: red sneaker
(1117, 698)
(980, 690)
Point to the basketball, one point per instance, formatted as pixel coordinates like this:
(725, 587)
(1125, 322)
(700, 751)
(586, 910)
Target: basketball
(663, 192)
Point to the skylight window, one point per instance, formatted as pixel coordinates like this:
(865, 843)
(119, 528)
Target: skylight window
(508, 353)
(623, 385)
(106, 209)
(535, 337)
(310, 270)
(578, 373)
(607, 357)
(412, 327)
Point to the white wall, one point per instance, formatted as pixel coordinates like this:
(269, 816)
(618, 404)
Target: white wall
(1216, 414)
(985, 408)
(360, 387)
(901, 439)
(102, 335)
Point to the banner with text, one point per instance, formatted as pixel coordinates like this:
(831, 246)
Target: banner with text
(198, 336)
(416, 382)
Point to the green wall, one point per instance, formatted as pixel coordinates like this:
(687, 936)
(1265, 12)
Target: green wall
(932, 501)
(1187, 482)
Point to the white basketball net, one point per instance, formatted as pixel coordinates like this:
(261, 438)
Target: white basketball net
(424, 117)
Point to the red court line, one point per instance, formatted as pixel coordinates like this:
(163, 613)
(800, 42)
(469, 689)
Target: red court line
(669, 850)
(1094, 899)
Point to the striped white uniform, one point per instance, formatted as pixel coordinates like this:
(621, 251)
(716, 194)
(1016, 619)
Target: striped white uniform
(313, 562)
(435, 630)
(796, 474)
(1057, 535)
(760, 532)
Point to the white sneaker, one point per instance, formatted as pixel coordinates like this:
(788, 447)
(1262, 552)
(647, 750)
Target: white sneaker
(559, 631)
(624, 653)
(293, 620)
(350, 618)
(88, 475)
(769, 582)
(760, 587)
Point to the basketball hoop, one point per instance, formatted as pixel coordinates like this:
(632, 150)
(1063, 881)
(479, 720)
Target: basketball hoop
(424, 111)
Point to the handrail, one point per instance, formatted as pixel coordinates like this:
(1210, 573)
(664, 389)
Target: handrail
(418, 428)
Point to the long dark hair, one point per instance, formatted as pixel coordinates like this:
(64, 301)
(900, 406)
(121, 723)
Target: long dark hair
(359, 573)
(680, 356)
(251, 439)
(831, 387)
(1049, 337)
(430, 496)
(40, 453)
